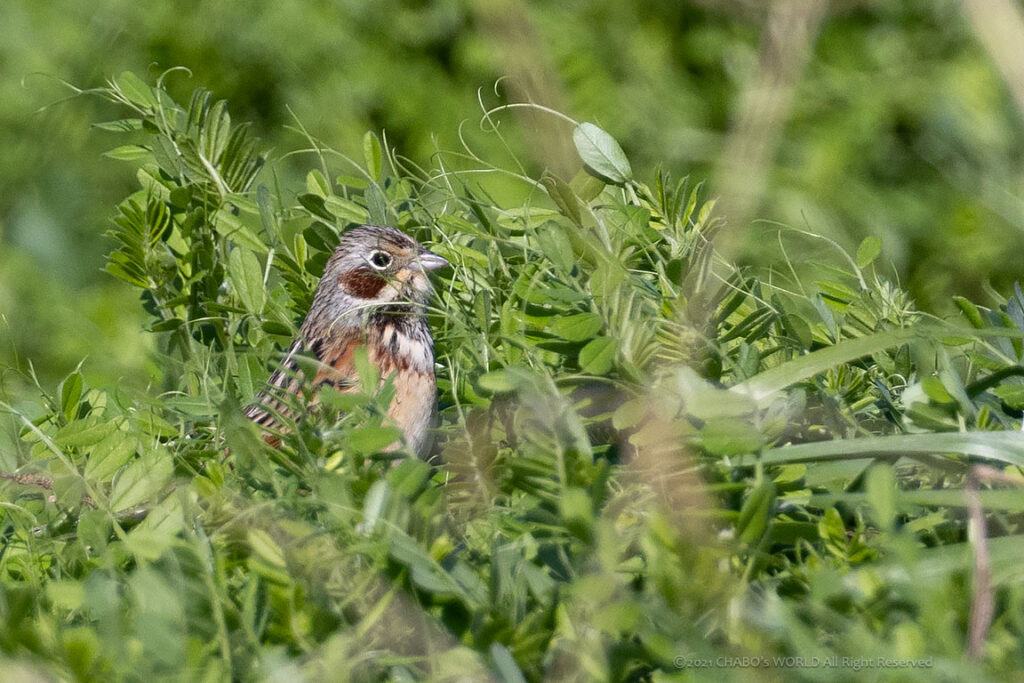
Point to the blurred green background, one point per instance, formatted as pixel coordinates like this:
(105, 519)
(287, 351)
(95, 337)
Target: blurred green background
(848, 119)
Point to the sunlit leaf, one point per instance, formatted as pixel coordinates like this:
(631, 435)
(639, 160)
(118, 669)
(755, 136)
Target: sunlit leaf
(601, 153)
(135, 90)
(598, 355)
(247, 277)
(868, 251)
(778, 378)
(577, 327)
(372, 154)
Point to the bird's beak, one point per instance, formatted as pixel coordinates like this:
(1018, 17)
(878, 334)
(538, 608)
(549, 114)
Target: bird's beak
(429, 261)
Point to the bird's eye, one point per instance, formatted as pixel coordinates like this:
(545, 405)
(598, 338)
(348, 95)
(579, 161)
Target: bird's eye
(380, 260)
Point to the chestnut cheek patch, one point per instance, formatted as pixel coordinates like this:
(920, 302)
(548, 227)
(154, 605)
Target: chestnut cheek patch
(362, 283)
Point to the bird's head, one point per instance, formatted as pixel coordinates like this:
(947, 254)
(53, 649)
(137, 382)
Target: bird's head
(376, 267)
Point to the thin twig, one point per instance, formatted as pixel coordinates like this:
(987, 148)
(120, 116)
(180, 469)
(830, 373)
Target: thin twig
(982, 603)
(790, 30)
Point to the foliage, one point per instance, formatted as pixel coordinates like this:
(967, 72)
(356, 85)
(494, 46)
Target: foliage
(648, 459)
(900, 126)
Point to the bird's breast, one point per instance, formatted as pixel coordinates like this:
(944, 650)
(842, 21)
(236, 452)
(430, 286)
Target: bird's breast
(412, 409)
(404, 347)
(405, 352)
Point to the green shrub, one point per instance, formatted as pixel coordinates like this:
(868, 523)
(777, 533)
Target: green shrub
(649, 460)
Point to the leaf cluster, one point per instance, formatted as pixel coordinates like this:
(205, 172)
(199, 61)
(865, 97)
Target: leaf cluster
(645, 452)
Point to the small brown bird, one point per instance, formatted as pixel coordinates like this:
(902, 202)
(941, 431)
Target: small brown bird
(372, 295)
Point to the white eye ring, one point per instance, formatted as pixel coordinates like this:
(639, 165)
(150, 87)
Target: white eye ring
(380, 259)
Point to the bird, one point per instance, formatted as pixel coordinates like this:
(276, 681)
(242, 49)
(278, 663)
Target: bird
(373, 296)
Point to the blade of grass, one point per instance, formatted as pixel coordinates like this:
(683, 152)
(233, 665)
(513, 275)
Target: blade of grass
(999, 499)
(1006, 447)
(778, 378)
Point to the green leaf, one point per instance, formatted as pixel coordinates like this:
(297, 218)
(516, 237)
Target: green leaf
(70, 393)
(367, 440)
(316, 184)
(756, 513)
(1006, 563)
(996, 499)
(832, 530)
(268, 217)
(372, 154)
(729, 437)
(1007, 447)
(120, 125)
(705, 402)
(562, 196)
(970, 311)
(247, 279)
(825, 313)
(376, 205)
(109, 455)
(496, 382)
(586, 186)
(950, 381)
(69, 489)
(931, 417)
(428, 575)
(235, 229)
(122, 273)
(143, 479)
(607, 278)
(164, 521)
(94, 529)
(135, 90)
(577, 510)
(153, 424)
(408, 477)
(881, 489)
(804, 367)
(933, 389)
(128, 153)
(837, 291)
(82, 433)
(168, 325)
(216, 133)
(346, 209)
(315, 205)
(375, 503)
(266, 548)
(1011, 394)
(277, 328)
(505, 665)
(579, 327)
(868, 251)
(368, 373)
(597, 357)
(631, 413)
(555, 245)
(798, 329)
(66, 594)
(601, 153)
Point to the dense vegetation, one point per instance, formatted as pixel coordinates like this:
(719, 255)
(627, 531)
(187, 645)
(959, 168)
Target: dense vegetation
(650, 462)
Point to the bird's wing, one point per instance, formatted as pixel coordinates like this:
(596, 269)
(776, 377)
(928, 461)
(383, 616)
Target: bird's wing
(278, 398)
(337, 366)
(281, 400)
